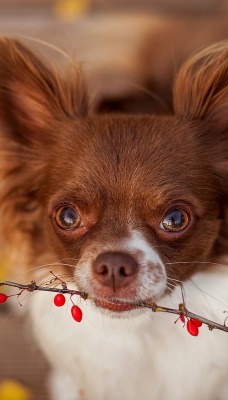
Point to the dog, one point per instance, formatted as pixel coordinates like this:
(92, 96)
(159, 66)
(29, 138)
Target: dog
(129, 209)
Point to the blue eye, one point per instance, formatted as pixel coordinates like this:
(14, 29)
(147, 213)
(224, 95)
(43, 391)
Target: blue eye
(175, 221)
(68, 218)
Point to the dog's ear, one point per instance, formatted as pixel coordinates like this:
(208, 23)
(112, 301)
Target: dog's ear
(33, 95)
(200, 89)
(34, 101)
(201, 94)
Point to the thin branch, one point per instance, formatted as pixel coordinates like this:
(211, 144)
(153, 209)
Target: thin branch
(153, 306)
(183, 310)
(31, 287)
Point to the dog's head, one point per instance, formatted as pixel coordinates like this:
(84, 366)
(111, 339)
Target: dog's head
(137, 204)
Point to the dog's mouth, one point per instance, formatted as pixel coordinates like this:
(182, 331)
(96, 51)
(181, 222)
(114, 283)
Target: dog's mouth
(115, 305)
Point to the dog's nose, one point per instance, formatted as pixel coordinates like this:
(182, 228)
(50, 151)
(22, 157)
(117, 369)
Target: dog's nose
(115, 269)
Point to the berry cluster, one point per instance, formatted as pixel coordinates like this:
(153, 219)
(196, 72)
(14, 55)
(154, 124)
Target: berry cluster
(76, 312)
(192, 325)
(59, 301)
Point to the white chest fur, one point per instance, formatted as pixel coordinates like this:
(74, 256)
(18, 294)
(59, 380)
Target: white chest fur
(144, 357)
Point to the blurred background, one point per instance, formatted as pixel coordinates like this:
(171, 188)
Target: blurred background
(130, 52)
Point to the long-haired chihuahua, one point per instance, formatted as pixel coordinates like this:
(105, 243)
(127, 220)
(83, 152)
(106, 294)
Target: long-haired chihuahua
(128, 209)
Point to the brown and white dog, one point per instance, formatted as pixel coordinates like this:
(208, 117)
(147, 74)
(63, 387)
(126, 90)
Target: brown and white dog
(125, 208)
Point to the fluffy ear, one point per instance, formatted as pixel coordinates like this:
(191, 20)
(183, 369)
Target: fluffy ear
(201, 93)
(34, 100)
(32, 95)
(201, 87)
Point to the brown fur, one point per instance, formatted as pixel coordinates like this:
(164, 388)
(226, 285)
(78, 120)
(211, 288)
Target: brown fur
(119, 171)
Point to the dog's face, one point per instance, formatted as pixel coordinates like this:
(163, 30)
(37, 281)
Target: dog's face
(119, 204)
(135, 203)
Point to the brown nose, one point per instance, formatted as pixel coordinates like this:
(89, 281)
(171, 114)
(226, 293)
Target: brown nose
(115, 269)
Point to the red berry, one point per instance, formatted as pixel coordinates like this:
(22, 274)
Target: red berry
(196, 322)
(192, 328)
(59, 300)
(3, 298)
(76, 313)
(182, 317)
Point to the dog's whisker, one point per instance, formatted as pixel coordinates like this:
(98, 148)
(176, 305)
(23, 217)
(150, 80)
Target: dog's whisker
(51, 265)
(176, 280)
(194, 262)
(171, 284)
(171, 289)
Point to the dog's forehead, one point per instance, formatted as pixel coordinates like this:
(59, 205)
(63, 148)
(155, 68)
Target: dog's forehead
(125, 149)
(128, 136)
(124, 157)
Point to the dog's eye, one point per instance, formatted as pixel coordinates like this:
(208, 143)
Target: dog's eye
(68, 218)
(175, 221)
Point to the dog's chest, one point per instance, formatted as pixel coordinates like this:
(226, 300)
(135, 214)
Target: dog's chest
(110, 359)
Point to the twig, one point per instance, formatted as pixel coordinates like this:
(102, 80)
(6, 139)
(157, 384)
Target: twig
(153, 306)
(31, 287)
(183, 310)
